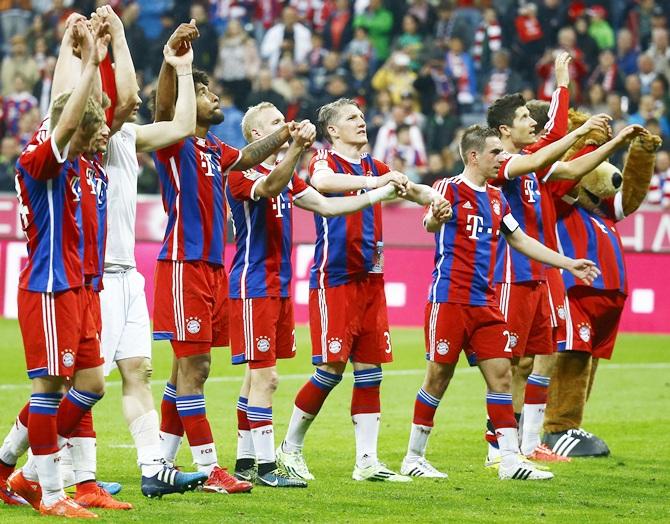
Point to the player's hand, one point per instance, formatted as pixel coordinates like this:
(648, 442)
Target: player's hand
(107, 14)
(183, 61)
(185, 33)
(584, 269)
(441, 209)
(598, 122)
(303, 134)
(397, 179)
(389, 193)
(562, 69)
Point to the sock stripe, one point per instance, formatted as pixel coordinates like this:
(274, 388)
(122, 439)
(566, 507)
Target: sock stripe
(427, 399)
(83, 399)
(242, 404)
(539, 380)
(325, 380)
(258, 414)
(498, 398)
(367, 377)
(170, 393)
(44, 403)
(190, 405)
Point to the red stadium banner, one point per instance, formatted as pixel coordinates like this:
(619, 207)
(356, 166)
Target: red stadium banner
(647, 309)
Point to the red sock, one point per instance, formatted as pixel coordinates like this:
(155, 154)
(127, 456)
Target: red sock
(365, 400)
(85, 427)
(191, 409)
(425, 406)
(42, 423)
(536, 389)
(314, 393)
(170, 420)
(242, 420)
(500, 410)
(73, 407)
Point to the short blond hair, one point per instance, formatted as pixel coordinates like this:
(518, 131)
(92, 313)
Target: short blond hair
(249, 121)
(94, 115)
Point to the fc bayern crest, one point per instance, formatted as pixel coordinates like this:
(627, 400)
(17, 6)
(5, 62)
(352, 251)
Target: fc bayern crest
(560, 310)
(68, 358)
(335, 345)
(193, 325)
(513, 340)
(585, 332)
(442, 347)
(496, 207)
(263, 344)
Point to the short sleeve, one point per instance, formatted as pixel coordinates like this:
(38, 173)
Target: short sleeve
(381, 167)
(243, 183)
(229, 156)
(168, 152)
(298, 186)
(42, 161)
(503, 172)
(321, 161)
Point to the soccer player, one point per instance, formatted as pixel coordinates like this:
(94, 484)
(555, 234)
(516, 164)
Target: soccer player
(126, 330)
(348, 318)
(262, 328)
(51, 285)
(523, 291)
(191, 293)
(462, 311)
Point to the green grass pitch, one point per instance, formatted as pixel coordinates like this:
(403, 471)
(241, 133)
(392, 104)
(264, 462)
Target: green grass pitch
(630, 409)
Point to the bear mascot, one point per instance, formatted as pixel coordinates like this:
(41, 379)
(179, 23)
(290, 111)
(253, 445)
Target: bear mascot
(587, 214)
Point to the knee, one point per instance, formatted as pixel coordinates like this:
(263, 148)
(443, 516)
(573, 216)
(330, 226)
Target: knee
(272, 382)
(502, 381)
(139, 374)
(524, 367)
(196, 373)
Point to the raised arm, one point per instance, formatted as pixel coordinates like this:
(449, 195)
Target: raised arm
(166, 89)
(273, 184)
(524, 164)
(124, 70)
(584, 164)
(68, 66)
(338, 206)
(256, 152)
(580, 268)
(94, 50)
(158, 135)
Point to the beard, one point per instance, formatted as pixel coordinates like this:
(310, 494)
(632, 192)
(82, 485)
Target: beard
(216, 118)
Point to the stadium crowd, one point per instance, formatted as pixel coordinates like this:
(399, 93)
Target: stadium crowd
(422, 69)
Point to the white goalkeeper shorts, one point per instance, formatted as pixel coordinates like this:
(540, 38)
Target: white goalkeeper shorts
(126, 329)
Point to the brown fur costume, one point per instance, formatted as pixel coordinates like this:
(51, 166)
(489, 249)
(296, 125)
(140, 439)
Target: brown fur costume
(575, 371)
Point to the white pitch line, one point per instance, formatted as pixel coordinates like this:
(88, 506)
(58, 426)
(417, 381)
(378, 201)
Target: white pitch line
(387, 373)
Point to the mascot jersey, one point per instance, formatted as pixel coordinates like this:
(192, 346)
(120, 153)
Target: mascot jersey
(592, 234)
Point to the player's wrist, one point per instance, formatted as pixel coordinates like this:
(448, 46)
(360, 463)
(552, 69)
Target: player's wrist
(370, 182)
(184, 70)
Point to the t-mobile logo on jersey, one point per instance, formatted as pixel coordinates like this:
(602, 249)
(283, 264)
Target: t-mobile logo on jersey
(474, 226)
(279, 205)
(529, 189)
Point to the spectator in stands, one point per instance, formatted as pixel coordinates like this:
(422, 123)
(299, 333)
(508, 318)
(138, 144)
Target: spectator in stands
(659, 50)
(461, 68)
(359, 79)
(14, 19)
(648, 110)
(501, 80)
(282, 79)
(425, 14)
(433, 82)
(659, 188)
(607, 73)
(39, 30)
(395, 76)
(599, 28)
(647, 72)
(289, 37)
(361, 45)
(230, 130)
(435, 170)
(318, 76)
(529, 40)
(660, 93)
(317, 53)
(16, 103)
(595, 100)
(640, 19)
(336, 87)
(205, 47)
(387, 139)
(263, 91)
(552, 16)
(410, 41)
(238, 62)
(137, 41)
(300, 105)
(488, 41)
(585, 42)
(627, 52)
(18, 61)
(338, 29)
(42, 89)
(440, 128)
(378, 21)
(567, 41)
(150, 19)
(379, 114)
(9, 153)
(632, 93)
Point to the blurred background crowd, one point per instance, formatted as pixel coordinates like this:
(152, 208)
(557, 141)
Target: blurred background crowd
(421, 70)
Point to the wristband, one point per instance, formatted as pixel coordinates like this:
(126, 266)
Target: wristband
(377, 195)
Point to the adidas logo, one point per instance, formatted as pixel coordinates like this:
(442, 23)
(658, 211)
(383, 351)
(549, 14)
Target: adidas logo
(467, 205)
(565, 445)
(521, 474)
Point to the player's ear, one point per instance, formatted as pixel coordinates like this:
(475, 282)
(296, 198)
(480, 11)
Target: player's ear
(332, 130)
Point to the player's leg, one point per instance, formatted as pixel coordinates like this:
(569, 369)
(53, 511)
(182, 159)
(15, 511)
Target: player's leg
(331, 344)
(171, 428)
(245, 464)
(13, 447)
(370, 349)
(497, 373)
